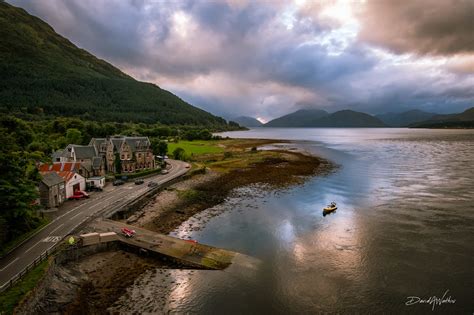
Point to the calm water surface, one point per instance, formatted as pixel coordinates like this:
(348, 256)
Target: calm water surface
(404, 227)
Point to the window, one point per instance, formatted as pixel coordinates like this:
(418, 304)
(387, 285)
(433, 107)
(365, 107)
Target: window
(139, 155)
(123, 157)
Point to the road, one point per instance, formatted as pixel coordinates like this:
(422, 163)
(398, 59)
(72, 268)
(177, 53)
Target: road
(112, 196)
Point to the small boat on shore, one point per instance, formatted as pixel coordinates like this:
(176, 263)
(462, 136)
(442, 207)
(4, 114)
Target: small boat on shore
(330, 208)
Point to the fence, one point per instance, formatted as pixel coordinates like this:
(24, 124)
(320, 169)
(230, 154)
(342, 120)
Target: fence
(28, 268)
(107, 213)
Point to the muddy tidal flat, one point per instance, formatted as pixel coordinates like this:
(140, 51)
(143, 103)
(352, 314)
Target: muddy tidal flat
(108, 281)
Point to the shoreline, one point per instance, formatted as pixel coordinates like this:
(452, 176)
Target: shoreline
(103, 281)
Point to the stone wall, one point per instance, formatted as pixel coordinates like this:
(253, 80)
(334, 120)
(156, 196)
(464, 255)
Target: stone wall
(43, 298)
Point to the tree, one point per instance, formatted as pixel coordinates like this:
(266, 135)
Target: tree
(179, 154)
(118, 163)
(73, 135)
(205, 134)
(162, 148)
(17, 187)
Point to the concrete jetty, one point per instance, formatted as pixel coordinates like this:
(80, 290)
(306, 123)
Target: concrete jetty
(194, 254)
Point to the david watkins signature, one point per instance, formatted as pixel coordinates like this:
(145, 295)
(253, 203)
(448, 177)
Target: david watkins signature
(432, 300)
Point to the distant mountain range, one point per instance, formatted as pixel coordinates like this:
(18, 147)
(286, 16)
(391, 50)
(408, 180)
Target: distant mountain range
(461, 120)
(352, 119)
(300, 118)
(320, 118)
(247, 121)
(43, 72)
(404, 119)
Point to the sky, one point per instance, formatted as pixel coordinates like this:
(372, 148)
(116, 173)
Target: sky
(268, 58)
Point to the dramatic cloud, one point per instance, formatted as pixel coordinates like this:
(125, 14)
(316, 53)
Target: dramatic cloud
(265, 59)
(438, 27)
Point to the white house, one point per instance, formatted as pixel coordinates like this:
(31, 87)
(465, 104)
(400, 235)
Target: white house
(74, 182)
(96, 181)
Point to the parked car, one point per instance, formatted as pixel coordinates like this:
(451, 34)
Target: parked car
(128, 233)
(152, 184)
(139, 181)
(188, 166)
(164, 172)
(83, 193)
(79, 195)
(118, 182)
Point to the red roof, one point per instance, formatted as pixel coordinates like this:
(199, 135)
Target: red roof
(67, 175)
(60, 166)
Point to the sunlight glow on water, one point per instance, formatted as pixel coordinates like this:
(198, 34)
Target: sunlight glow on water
(404, 227)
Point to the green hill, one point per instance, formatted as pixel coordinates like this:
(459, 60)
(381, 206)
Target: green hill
(42, 72)
(300, 118)
(405, 118)
(349, 119)
(461, 120)
(319, 118)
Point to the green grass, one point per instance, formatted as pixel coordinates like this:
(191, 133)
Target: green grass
(10, 245)
(196, 147)
(11, 297)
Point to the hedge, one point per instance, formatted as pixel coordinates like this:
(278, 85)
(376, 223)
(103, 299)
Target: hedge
(139, 174)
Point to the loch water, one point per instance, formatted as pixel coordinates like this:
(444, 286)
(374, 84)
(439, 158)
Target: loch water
(404, 228)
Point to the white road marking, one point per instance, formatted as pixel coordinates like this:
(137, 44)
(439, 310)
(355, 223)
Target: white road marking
(26, 251)
(52, 239)
(56, 228)
(9, 264)
(109, 198)
(75, 216)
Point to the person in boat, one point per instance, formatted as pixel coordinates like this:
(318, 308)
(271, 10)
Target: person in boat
(331, 206)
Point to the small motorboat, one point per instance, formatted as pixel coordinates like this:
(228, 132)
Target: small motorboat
(330, 208)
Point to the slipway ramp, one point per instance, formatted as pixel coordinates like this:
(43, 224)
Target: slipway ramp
(194, 254)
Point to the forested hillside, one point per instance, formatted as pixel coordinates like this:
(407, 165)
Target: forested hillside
(43, 73)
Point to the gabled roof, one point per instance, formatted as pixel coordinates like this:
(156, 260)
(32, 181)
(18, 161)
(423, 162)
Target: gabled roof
(57, 154)
(51, 179)
(84, 151)
(96, 162)
(137, 143)
(97, 141)
(67, 176)
(60, 166)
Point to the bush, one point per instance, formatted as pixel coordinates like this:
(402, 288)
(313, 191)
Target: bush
(138, 174)
(179, 154)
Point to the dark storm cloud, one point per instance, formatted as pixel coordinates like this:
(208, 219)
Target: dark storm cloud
(312, 65)
(424, 26)
(269, 58)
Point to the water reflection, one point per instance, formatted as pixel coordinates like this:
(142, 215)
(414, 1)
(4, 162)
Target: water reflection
(404, 226)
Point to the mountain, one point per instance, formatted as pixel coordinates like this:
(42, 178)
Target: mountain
(43, 72)
(406, 118)
(247, 121)
(461, 120)
(320, 118)
(300, 118)
(350, 119)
